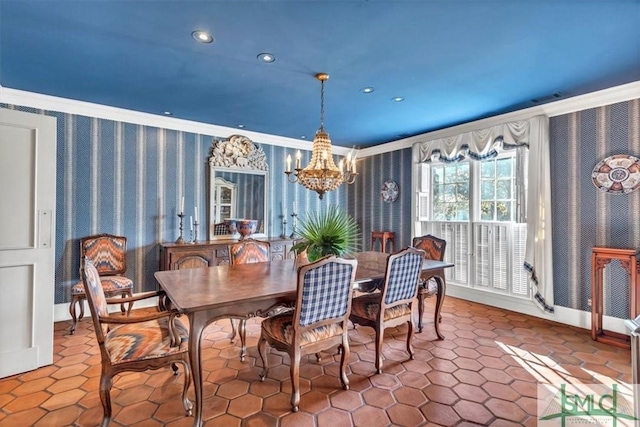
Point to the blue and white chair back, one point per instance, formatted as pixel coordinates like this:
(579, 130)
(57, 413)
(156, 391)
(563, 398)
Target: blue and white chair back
(325, 292)
(403, 273)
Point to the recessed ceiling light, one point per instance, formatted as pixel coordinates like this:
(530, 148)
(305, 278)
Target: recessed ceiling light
(266, 57)
(202, 36)
(167, 113)
(366, 90)
(241, 126)
(397, 99)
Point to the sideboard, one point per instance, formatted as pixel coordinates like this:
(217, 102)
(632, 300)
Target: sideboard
(176, 256)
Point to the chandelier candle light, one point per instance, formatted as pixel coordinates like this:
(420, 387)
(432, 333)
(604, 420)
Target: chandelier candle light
(321, 174)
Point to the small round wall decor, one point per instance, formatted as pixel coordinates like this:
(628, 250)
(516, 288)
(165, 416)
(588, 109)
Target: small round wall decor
(389, 191)
(617, 174)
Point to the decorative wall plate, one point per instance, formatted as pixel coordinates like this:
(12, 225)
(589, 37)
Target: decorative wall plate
(618, 174)
(389, 191)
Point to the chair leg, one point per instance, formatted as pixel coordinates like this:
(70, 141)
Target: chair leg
(410, 338)
(242, 331)
(379, 340)
(123, 309)
(105, 398)
(344, 347)
(262, 350)
(72, 311)
(295, 380)
(188, 406)
(129, 305)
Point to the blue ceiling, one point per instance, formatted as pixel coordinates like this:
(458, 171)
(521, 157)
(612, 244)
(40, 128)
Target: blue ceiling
(453, 61)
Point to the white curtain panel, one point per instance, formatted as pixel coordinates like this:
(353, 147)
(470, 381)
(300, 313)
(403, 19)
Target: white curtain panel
(538, 257)
(487, 143)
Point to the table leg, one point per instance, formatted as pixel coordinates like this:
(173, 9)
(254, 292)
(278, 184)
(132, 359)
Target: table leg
(421, 296)
(197, 323)
(442, 288)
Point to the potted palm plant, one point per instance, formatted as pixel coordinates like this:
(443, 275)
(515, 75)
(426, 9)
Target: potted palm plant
(328, 232)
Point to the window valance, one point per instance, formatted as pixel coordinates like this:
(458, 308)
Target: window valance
(478, 144)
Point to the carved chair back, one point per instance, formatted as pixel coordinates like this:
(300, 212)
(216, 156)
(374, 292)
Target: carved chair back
(433, 246)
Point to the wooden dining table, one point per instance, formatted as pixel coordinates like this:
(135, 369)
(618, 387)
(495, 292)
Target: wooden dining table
(205, 295)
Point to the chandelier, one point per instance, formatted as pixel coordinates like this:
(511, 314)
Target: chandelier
(321, 174)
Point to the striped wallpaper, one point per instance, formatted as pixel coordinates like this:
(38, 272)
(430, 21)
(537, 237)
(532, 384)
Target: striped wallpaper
(127, 179)
(365, 202)
(582, 215)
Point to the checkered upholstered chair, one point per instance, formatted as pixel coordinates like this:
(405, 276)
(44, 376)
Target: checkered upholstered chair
(246, 251)
(393, 305)
(434, 249)
(318, 322)
(136, 343)
(108, 254)
(220, 229)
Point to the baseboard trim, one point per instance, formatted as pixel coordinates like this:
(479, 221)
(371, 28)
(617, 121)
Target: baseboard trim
(568, 316)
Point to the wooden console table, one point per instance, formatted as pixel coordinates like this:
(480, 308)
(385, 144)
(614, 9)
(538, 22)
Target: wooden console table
(176, 256)
(600, 257)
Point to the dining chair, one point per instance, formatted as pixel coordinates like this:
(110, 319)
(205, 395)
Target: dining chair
(247, 251)
(220, 229)
(135, 343)
(108, 253)
(393, 305)
(434, 249)
(318, 322)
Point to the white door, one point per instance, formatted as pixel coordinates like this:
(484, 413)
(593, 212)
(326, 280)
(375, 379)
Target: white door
(27, 225)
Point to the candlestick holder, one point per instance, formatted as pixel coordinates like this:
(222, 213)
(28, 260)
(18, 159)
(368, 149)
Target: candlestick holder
(180, 238)
(284, 227)
(194, 232)
(294, 218)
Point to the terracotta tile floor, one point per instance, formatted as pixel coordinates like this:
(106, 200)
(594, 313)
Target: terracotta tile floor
(484, 373)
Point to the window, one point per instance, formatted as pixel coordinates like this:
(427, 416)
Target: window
(474, 206)
(497, 194)
(450, 192)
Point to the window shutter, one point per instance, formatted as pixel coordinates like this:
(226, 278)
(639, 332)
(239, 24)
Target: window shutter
(481, 255)
(500, 257)
(461, 251)
(519, 281)
(423, 206)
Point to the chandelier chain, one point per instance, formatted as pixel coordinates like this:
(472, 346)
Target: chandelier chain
(322, 105)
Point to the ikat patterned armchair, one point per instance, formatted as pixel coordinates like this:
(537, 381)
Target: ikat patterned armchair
(434, 249)
(393, 305)
(108, 253)
(318, 322)
(246, 251)
(136, 343)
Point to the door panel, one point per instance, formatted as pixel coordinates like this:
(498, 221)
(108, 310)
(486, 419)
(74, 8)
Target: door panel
(27, 233)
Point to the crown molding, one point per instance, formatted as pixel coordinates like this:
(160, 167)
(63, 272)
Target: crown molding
(596, 99)
(72, 106)
(64, 105)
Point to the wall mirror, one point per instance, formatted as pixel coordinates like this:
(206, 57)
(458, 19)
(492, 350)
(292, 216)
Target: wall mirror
(238, 179)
